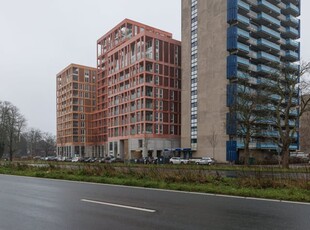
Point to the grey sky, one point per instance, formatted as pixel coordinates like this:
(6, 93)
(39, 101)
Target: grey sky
(41, 37)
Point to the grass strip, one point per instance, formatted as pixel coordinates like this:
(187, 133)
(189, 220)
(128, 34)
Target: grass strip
(293, 189)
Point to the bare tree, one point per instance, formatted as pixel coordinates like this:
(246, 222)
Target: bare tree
(33, 137)
(13, 124)
(304, 130)
(48, 142)
(213, 140)
(3, 136)
(289, 84)
(246, 111)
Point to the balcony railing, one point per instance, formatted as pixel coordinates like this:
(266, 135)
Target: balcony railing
(267, 19)
(291, 56)
(291, 9)
(267, 57)
(268, 7)
(266, 69)
(265, 31)
(263, 43)
(291, 32)
(291, 21)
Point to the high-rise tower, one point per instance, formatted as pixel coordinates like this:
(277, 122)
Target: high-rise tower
(222, 42)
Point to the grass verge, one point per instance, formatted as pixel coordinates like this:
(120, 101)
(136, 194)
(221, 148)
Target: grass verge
(292, 187)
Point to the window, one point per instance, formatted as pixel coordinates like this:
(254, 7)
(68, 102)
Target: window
(140, 143)
(156, 78)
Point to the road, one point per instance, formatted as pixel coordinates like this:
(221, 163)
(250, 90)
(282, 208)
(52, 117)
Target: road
(33, 203)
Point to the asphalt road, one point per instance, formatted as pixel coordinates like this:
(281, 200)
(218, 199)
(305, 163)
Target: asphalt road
(32, 203)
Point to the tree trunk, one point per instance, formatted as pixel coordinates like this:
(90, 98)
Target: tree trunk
(11, 148)
(246, 154)
(247, 149)
(285, 156)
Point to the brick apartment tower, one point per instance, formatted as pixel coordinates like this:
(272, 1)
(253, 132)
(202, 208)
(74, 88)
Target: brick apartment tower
(76, 99)
(138, 92)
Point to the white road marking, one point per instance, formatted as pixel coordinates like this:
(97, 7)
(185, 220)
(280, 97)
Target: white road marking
(119, 205)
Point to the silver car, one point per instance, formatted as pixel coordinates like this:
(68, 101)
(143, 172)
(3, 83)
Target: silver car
(206, 161)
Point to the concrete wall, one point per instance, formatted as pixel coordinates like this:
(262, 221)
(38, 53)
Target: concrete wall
(212, 82)
(186, 74)
(212, 33)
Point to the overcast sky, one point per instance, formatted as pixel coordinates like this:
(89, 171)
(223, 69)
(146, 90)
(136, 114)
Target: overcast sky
(39, 38)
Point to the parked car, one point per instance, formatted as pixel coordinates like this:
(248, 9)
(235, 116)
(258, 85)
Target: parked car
(205, 161)
(149, 160)
(177, 160)
(76, 159)
(109, 159)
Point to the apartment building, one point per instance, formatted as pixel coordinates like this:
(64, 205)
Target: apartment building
(138, 109)
(224, 41)
(76, 101)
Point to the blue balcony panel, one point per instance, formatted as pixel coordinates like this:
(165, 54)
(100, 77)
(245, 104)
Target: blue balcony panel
(243, 6)
(243, 34)
(243, 22)
(266, 69)
(266, 81)
(266, 19)
(234, 16)
(266, 133)
(243, 48)
(268, 7)
(291, 9)
(291, 33)
(239, 61)
(291, 56)
(291, 44)
(266, 145)
(265, 57)
(275, 1)
(293, 113)
(234, 63)
(291, 21)
(234, 33)
(291, 67)
(268, 33)
(267, 45)
(293, 147)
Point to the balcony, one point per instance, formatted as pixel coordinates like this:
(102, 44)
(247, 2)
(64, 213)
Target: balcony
(291, 44)
(242, 62)
(293, 113)
(234, 17)
(268, 7)
(267, 33)
(274, 1)
(268, 20)
(268, 46)
(291, 56)
(292, 67)
(265, 57)
(291, 21)
(293, 147)
(236, 33)
(266, 133)
(266, 69)
(233, 45)
(242, 6)
(267, 145)
(291, 9)
(291, 33)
